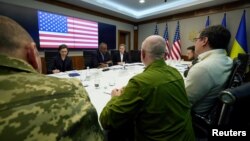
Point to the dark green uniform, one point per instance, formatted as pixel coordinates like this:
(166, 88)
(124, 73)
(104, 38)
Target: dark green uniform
(37, 107)
(156, 103)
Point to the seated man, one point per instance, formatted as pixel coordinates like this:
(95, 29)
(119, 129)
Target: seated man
(62, 62)
(208, 77)
(35, 106)
(156, 111)
(191, 53)
(121, 57)
(103, 56)
(191, 57)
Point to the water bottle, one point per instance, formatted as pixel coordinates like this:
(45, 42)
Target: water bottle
(87, 74)
(124, 65)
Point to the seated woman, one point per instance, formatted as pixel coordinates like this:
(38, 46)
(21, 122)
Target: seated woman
(61, 62)
(121, 57)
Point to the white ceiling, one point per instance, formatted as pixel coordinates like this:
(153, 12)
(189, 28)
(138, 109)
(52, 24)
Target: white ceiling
(134, 11)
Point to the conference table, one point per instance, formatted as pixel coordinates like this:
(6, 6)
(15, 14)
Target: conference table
(100, 82)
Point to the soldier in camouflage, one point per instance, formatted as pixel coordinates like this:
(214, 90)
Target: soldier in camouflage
(34, 106)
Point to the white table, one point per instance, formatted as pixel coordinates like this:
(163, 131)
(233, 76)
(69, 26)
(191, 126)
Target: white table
(115, 77)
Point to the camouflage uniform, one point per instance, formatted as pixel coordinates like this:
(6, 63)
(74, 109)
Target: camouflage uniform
(37, 107)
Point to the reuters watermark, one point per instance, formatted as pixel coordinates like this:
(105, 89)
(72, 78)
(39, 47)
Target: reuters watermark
(229, 133)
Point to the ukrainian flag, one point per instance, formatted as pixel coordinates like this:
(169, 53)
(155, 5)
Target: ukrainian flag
(240, 42)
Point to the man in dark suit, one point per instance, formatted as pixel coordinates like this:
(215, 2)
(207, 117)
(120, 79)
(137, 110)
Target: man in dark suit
(103, 56)
(191, 57)
(121, 57)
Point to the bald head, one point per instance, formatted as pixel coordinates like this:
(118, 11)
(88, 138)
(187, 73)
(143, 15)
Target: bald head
(153, 48)
(12, 35)
(155, 45)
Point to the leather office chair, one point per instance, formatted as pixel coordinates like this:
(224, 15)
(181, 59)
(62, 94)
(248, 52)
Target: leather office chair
(135, 56)
(245, 61)
(90, 58)
(229, 113)
(49, 59)
(235, 78)
(113, 52)
(234, 111)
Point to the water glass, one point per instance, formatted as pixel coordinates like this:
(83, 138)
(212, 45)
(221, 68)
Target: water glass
(97, 83)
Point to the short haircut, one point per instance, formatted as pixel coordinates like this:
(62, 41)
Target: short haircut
(102, 43)
(62, 47)
(191, 48)
(156, 47)
(218, 36)
(12, 35)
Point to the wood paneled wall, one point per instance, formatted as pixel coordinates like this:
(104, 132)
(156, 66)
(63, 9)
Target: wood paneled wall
(77, 61)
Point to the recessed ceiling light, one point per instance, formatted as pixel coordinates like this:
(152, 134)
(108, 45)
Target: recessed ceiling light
(141, 1)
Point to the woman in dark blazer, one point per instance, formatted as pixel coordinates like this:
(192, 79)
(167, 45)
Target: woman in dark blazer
(61, 62)
(121, 57)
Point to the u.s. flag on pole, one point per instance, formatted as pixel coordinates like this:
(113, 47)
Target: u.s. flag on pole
(224, 21)
(165, 36)
(207, 22)
(176, 48)
(55, 30)
(156, 32)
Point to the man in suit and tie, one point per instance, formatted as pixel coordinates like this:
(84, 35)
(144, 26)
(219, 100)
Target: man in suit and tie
(121, 57)
(103, 56)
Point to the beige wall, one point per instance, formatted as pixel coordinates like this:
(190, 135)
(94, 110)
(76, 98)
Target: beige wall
(191, 26)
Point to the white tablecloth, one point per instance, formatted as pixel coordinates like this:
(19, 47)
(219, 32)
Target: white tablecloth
(115, 77)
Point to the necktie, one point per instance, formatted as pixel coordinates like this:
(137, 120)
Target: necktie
(102, 57)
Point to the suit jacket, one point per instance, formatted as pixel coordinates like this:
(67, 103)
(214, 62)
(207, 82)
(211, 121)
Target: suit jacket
(61, 65)
(193, 63)
(106, 57)
(117, 58)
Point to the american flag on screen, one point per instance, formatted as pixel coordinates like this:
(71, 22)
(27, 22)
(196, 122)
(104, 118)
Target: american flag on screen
(165, 36)
(55, 30)
(176, 48)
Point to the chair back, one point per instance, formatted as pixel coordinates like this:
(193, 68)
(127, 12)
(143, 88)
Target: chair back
(49, 59)
(238, 71)
(90, 58)
(234, 78)
(236, 103)
(113, 52)
(245, 61)
(135, 56)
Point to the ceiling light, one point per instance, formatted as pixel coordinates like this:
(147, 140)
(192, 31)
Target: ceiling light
(141, 1)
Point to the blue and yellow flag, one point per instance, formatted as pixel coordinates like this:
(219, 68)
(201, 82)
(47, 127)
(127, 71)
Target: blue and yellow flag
(240, 42)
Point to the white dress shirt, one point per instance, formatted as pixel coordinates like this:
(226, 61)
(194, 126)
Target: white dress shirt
(121, 55)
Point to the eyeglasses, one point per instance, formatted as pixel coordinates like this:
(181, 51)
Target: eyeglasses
(195, 39)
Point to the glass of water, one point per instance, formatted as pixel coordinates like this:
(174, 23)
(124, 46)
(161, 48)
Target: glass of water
(97, 83)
